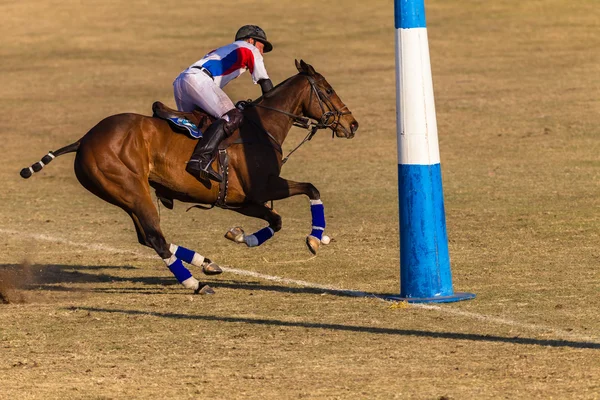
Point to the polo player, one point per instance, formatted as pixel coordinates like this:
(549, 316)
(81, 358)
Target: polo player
(201, 85)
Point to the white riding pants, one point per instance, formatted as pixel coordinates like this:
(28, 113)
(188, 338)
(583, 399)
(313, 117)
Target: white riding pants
(194, 88)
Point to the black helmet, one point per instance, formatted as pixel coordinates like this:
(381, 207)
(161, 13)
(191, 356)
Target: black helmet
(256, 33)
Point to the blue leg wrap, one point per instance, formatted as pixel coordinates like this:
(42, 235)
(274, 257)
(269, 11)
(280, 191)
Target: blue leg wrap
(177, 268)
(263, 235)
(186, 255)
(318, 233)
(318, 218)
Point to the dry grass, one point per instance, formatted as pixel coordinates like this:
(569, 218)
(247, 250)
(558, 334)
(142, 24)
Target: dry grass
(517, 94)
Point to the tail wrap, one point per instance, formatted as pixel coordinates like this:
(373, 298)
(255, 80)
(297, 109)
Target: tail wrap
(37, 167)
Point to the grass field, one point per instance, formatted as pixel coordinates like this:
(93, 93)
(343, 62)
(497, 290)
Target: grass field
(90, 314)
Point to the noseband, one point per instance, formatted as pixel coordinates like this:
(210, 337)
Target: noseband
(330, 114)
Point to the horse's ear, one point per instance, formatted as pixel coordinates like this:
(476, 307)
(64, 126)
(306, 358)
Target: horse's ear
(298, 67)
(307, 68)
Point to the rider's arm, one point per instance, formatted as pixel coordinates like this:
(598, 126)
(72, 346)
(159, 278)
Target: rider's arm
(265, 85)
(257, 68)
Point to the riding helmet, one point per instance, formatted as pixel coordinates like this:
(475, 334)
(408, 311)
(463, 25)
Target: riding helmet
(256, 33)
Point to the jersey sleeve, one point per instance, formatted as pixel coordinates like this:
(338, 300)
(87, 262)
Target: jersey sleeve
(258, 70)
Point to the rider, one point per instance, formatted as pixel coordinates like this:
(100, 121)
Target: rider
(201, 85)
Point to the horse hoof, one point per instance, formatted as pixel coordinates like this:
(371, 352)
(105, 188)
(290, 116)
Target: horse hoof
(204, 290)
(235, 235)
(313, 244)
(210, 268)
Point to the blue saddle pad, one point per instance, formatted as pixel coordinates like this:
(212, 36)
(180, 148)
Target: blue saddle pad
(191, 128)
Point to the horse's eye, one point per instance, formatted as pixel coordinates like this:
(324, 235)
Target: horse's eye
(329, 91)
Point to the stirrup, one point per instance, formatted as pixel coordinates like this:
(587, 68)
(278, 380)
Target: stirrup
(195, 168)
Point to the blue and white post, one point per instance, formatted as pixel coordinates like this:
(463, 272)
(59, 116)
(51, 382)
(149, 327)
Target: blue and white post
(425, 274)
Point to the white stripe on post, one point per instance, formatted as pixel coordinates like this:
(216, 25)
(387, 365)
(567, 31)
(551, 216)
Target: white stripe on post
(416, 119)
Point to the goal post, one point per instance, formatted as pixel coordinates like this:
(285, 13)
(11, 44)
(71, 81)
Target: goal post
(425, 274)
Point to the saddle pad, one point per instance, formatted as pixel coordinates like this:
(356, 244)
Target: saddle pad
(186, 125)
(189, 123)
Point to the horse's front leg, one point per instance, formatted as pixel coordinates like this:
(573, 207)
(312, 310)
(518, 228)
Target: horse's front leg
(279, 188)
(261, 211)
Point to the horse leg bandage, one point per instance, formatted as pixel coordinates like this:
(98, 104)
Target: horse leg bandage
(258, 238)
(187, 255)
(183, 275)
(318, 218)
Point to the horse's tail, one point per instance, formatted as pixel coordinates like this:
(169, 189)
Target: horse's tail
(36, 167)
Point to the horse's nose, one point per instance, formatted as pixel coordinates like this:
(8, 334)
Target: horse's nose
(353, 127)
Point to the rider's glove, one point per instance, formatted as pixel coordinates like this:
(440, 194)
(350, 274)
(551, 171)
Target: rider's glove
(265, 85)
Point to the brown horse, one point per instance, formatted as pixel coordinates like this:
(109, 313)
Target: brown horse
(124, 155)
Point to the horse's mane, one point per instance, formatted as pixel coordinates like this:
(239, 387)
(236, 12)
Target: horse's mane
(277, 88)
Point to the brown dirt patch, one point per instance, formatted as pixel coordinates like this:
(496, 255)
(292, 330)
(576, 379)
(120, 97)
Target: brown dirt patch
(12, 280)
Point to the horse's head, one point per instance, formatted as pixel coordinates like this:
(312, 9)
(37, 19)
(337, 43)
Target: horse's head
(325, 106)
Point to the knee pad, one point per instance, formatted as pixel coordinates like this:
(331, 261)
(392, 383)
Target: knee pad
(233, 119)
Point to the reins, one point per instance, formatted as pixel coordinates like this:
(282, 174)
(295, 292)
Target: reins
(330, 118)
(308, 137)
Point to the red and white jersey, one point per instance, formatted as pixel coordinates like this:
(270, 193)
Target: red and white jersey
(229, 62)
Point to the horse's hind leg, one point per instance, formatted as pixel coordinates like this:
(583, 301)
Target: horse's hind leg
(257, 238)
(138, 229)
(129, 192)
(146, 215)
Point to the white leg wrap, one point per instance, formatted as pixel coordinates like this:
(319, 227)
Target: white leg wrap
(198, 260)
(191, 283)
(251, 240)
(316, 202)
(170, 260)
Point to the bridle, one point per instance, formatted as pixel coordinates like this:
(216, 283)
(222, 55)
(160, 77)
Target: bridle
(330, 115)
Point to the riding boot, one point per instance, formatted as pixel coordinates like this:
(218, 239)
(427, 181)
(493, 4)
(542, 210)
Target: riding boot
(200, 162)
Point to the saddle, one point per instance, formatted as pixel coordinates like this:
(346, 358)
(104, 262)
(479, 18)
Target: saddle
(190, 123)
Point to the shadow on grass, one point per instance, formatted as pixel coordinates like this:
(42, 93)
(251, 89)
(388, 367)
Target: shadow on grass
(58, 277)
(255, 286)
(52, 278)
(55, 277)
(351, 328)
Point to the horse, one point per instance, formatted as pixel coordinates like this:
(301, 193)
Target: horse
(125, 155)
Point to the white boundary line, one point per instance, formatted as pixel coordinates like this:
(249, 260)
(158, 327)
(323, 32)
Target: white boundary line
(445, 310)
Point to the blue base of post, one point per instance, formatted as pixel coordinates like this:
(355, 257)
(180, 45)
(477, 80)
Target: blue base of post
(457, 296)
